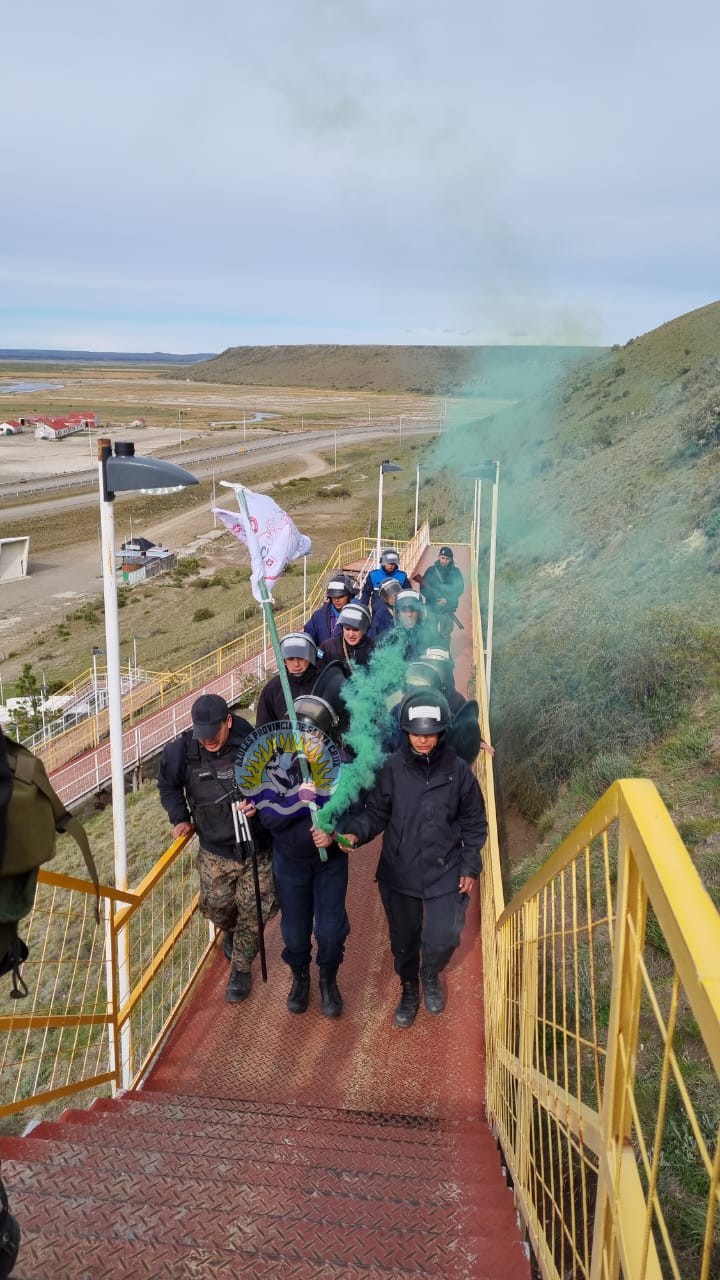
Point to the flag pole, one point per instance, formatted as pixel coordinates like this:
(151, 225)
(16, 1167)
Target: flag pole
(275, 639)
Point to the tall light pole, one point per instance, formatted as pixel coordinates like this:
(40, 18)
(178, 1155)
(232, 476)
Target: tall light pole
(420, 467)
(180, 413)
(121, 473)
(96, 651)
(385, 465)
(489, 470)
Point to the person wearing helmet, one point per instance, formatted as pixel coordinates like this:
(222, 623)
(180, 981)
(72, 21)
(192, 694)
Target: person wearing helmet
(467, 739)
(428, 804)
(442, 586)
(323, 623)
(300, 654)
(389, 567)
(311, 893)
(410, 622)
(354, 645)
(383, 618)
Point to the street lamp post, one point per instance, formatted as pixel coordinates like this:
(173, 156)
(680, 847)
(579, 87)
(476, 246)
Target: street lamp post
(123, 472)
(420, 467)
(489, 470)
(385, 465)
(96, 651)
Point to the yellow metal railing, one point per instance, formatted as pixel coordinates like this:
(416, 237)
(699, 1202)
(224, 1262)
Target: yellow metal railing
(602, 1008)
(74, 1031)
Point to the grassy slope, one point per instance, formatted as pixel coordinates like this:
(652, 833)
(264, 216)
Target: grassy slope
(427, 370)
(607, 626)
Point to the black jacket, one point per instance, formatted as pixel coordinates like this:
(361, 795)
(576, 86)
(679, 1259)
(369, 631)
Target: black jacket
(271, 703)
(442, 582)
(174, 784)
(432, 812)
(334, 651)
(291, 834)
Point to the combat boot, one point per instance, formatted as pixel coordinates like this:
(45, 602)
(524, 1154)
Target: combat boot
(432, 992)
(408, 1006)
(238, 987)
(332, 1003)
(227, 943)
(297, 1001)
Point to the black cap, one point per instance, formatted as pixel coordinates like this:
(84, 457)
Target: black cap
(208, 713)
(447, 551)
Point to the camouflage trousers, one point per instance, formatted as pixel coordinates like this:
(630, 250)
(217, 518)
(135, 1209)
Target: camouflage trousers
(227, 898)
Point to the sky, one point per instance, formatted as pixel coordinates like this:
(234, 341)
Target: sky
(188, 177)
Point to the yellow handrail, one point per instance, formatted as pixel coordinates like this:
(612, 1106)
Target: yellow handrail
(602, 1023)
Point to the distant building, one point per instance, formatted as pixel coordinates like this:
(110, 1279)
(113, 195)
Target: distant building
(14, 555)
(10, 428)
(47, 428)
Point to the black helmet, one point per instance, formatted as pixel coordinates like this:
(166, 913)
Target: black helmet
(355, 616)
(299, 645)
(389, 590)
(340, 585)
(389, 556)
(441, 660)
(315, 712)
(424, 712)
(420, 675)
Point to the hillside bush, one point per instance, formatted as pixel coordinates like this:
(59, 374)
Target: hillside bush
(700, 426)
(587, 690)
(203, 615)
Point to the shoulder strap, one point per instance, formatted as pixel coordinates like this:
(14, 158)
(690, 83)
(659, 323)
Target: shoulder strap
(29, 769)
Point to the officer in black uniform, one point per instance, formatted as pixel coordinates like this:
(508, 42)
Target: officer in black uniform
(428, 804)
(300, 654)
(197, 788)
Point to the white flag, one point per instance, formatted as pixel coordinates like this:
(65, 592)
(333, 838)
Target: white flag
(272, 539)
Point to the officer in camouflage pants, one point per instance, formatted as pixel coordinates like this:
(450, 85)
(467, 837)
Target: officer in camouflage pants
(197, 787)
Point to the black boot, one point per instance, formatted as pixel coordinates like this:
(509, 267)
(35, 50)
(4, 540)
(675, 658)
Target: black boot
(432, 991)
(227, 944)
(238, 987)
(332, 1004)
(297, 1001)
(409, 1004)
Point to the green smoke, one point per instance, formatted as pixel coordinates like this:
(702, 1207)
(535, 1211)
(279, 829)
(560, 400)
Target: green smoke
(366, 696)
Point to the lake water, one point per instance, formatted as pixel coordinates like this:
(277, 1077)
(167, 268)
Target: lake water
(11, 388)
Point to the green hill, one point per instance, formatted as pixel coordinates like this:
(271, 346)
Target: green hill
(423, 370)
(607, 628)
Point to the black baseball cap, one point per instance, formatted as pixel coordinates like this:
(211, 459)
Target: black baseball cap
(208, 712)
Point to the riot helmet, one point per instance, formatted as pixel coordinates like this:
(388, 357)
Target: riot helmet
(410, 602)
(424, 711)
(316, 713)
(441, 660)
(355, 616)
(340, 586)
(299, 645)
(389, 559)
(420, 675)
(389, 591)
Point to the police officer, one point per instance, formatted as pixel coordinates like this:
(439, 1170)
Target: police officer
(323, 623)
(311, 892)
(389, 568)
(300, 654)
(197, 786)
(442, 586)
(383, 616)
(428, 803)
(353, 646)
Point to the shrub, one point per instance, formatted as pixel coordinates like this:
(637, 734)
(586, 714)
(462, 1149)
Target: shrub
(203, 615)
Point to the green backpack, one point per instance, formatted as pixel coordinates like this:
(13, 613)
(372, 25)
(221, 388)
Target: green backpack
(35, 814)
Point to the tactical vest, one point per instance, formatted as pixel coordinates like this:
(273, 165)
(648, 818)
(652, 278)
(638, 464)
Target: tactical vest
(210, 790)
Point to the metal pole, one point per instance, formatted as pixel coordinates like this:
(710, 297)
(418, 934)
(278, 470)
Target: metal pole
(304, 583)
(180, 425)
(117, 773)
(244, 428)
(417, 495)
(135, 655)
(95, 698)
(491, 587)
(476, 518)
(379, 524)
(335, 450)
(214, 499)
(401, 430)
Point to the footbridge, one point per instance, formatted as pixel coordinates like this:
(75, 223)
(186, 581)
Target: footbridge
(561, 1119)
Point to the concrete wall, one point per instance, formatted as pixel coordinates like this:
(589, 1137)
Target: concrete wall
(14, 554)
